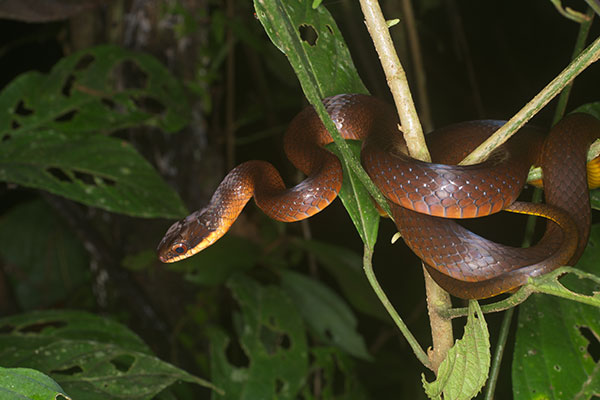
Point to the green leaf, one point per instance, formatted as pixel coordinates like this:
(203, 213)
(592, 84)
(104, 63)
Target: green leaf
(24, 383)
(552, 351)
(595, 199)
(357, 200)
(325, 313)
(346, 267)
(316, 50)
(89, 356)
(83, 93)
(95, 170)
(464, 371)
(590, 108)
(323, 65)
(272, 337)
(45, 262)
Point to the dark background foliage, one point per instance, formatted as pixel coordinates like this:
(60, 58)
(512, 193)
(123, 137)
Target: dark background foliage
(481, 60)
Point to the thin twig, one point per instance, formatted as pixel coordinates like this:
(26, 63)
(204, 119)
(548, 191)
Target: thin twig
(584, 30)
(587, 57)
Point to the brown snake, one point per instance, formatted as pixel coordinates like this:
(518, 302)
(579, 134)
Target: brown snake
(423, 195)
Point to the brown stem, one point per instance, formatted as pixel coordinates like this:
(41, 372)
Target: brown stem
(437, 298)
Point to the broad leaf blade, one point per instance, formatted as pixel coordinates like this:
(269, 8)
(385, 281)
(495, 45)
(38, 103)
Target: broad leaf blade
(272, 337)
(326, 313)
(90, 357)
(96, 170)
(551, 357)
(346, 267)
(324, 68)
(82, 94)
(464, 371)
(356, 198)
(28, 384)
(323, 64)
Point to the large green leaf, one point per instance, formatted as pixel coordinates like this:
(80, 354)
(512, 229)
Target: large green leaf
(52, 130)
(90, 357)
(272, 337)
(96, 170)
(28, 384)
(83, 93)
(552, 358)
(346, 268)
(44, 260)
(313, 44)
(326, 313)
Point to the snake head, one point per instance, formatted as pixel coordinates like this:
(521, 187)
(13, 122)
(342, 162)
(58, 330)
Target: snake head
(187, 237)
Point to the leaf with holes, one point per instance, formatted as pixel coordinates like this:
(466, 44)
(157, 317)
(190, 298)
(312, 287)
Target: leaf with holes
(465, 369)
(84, 92)
(325, 313)
(316, 50)
(313, 44)
(553, 355)
(96, 170)
(273, 344)
(90, 357)
(45, 262)
(28, 384)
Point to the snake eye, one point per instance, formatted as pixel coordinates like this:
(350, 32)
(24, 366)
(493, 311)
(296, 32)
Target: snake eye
(179, 248)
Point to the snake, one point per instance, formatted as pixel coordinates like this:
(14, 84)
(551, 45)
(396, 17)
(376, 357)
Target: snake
(425, 198)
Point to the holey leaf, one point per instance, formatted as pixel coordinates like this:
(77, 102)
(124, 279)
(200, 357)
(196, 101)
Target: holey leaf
(556, 348)
(85, 92)
(464, 371)
(272, 360)
(317, 52)
(90, 357)
(96, 170)
(53, 130)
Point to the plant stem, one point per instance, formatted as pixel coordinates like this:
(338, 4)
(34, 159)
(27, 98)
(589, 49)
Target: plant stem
(520, 296)
(396, 79)
(587, 57)
(412, 341)
(442, 336)
(437, 298)
(584, 30)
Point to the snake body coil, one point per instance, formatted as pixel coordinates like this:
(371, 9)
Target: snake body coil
(423, 196)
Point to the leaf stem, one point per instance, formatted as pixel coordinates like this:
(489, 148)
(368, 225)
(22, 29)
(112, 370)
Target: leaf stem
(587, 57)
(412, 341)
